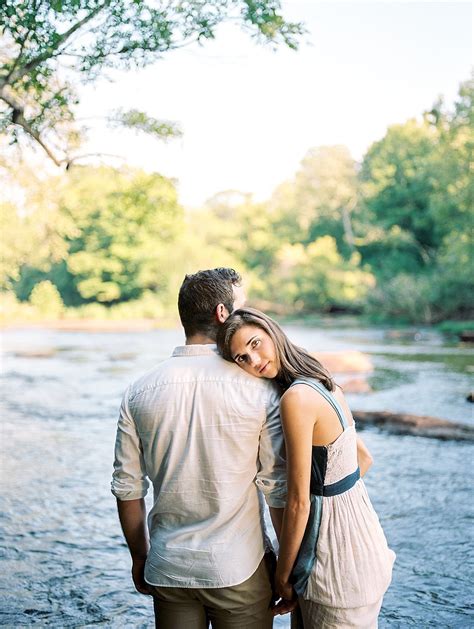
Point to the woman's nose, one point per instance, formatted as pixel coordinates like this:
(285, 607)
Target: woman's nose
(254, 359)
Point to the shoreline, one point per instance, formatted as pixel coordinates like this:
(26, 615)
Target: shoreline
(92, 325)
(463, 330)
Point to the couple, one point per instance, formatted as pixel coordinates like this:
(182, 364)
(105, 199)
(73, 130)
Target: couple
(207, 433)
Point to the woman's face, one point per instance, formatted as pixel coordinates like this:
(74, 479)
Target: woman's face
(254, 351)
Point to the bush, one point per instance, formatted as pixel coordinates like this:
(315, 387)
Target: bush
(405, 297)
(12, 310)
(45, 298)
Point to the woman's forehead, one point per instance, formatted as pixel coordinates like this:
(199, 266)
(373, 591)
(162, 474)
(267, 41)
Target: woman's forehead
(245, 333)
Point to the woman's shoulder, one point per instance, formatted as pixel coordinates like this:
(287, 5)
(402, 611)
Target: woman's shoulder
(301, 393)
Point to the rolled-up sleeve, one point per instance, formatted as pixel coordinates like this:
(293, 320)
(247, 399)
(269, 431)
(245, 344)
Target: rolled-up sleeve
(129, 480)
(271, 475)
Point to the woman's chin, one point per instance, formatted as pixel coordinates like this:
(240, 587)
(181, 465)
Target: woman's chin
(269, 372)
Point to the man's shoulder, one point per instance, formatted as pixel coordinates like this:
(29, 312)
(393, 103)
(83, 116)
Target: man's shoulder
(210, 368)
(150, 377)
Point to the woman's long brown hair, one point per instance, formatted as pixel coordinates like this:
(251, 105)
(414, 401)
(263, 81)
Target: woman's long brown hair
(294, 362)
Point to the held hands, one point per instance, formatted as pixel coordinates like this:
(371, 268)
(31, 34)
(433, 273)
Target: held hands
(138, 576)
(287, 598)
(284, 606)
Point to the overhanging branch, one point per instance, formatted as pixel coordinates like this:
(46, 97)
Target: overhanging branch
(48, 53)
(18, 118)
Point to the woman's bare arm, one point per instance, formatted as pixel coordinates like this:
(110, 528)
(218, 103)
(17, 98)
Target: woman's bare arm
(364, 458)
(297, 416)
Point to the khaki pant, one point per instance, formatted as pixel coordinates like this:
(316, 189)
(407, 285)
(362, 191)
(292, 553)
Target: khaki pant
(243, 606)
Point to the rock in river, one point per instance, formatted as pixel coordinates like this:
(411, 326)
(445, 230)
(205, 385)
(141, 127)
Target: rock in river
(418, 425)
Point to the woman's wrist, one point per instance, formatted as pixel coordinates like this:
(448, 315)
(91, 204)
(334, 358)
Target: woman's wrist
(281, 577)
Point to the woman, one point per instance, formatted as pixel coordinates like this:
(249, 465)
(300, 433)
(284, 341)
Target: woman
(333, 552)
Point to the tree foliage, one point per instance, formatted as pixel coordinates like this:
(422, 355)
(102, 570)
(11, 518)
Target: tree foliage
(398, 179)
(391, 236)
(48, 44)
(321, 198)
(418, 204)
(124, 226)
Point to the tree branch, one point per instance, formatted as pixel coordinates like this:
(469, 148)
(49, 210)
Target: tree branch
(31, 65)
(19, 119)
(70, 162)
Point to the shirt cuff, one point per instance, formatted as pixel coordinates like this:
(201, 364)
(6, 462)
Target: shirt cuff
(276, 502)
(123, 493)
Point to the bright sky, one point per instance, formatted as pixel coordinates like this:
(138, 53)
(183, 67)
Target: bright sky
(249, 114)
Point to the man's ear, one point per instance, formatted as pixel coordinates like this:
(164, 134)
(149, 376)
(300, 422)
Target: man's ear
(222, 314)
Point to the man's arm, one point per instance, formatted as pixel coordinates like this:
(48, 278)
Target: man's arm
(132, 515)
(129, 486)
(271, 474)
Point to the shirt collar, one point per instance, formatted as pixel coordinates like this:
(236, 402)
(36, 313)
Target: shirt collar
(195, 350)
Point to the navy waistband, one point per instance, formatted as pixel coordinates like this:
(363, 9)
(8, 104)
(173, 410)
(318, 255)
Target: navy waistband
(340, 487)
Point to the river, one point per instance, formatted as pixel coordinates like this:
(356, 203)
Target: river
(64, 561)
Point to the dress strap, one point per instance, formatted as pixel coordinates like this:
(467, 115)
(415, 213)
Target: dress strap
(327, 395)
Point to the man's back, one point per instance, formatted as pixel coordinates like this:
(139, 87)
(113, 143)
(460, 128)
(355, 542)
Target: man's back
(203, 430)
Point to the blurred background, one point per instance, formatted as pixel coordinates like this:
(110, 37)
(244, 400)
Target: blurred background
(323, 149)
(336, 177)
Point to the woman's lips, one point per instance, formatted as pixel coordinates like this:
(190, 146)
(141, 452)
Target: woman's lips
(263, 368)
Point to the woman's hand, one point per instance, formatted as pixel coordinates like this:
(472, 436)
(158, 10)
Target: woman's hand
(286, 595)
(285, 590)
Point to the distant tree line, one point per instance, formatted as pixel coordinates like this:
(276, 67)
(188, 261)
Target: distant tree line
(391, 236)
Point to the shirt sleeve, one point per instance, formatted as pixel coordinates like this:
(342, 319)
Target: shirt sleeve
(129, 480)
(271, 475)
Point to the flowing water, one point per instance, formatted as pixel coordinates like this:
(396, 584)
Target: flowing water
(64, 561)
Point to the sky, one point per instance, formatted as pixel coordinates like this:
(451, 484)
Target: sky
(249, 113)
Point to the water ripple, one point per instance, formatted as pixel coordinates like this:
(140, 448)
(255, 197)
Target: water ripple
(62, 553)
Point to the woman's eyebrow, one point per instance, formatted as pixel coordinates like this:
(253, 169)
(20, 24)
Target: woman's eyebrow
(247, 343)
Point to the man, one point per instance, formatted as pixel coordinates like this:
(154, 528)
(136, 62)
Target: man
(207, 435)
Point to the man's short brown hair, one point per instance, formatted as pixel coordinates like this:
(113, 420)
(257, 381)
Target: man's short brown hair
(199, 296)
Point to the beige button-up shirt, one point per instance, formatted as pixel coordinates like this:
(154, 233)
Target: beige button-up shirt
(208, 437)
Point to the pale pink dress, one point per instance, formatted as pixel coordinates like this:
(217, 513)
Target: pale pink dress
(352, 566)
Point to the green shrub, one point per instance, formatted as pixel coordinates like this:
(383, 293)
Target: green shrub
(405, 297)
(12, 310)
(45, 298)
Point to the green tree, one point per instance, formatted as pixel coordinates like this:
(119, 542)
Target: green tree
(315, 277)
(48, 44)
(453, 277)
(320, 200)
(125, 226)
(397, 182)
(14, 250)
(452, 205)
(32, 229)
(418, 188)
(453, 188)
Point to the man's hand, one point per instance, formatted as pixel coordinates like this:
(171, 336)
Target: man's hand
(138, 576)
(132, 514)
(284, 606)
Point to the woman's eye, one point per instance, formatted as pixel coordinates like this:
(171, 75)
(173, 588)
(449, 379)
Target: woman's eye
(256, 343)
(240, 359)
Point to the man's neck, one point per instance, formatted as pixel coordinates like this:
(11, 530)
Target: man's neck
(199, 339)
